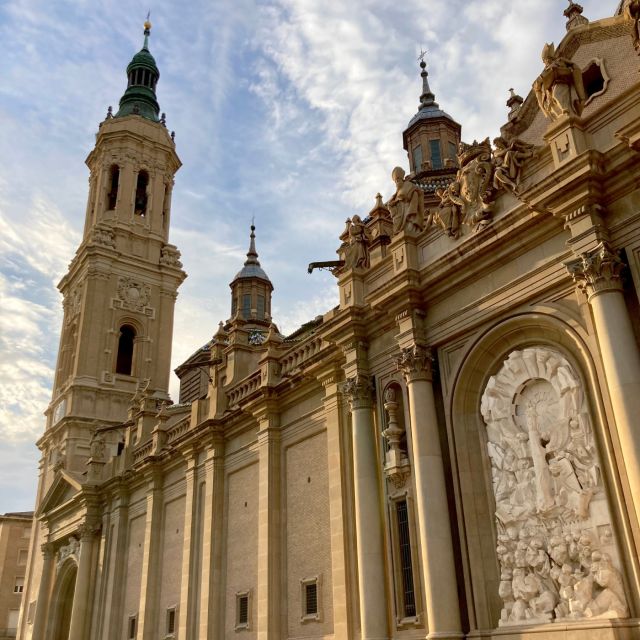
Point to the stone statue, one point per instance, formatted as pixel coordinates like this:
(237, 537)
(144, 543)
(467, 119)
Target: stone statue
(508, 160)
(631, 11)
(97, 447)
(552, 515)
(447, 215)
(406, 204)
(357, 251)
(559, 88)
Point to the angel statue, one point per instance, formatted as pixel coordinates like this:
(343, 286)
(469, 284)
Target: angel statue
(559, 88)
(509, 158)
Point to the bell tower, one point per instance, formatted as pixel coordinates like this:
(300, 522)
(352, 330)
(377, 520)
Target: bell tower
(120, 290)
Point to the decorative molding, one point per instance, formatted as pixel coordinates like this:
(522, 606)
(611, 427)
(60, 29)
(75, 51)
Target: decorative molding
(597, 271)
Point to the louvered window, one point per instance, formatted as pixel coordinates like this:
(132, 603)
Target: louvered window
(242, 610)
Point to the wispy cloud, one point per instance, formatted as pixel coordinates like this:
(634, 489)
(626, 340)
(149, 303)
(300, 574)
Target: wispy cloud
(287, 110)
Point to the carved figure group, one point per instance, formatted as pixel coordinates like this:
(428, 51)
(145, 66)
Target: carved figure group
(406, 205)
(559, 89)
(554, 548)
(509, 158)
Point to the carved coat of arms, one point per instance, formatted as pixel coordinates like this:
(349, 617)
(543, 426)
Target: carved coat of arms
(135, 295)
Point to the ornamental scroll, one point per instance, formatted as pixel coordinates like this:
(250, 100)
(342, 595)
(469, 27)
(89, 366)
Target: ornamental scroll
(558, 557)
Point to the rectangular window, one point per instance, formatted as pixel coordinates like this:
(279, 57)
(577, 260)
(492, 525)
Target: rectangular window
(171, 621)
(12, 623)
(18, 585)
(243, 610)
(132, 627)
(260, 307)
(246, 306)
(417, 158)
(406, 566)
(23, 556)
(436, 154)
(310, 597)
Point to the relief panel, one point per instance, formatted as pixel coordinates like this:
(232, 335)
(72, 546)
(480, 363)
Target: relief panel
(557, 554)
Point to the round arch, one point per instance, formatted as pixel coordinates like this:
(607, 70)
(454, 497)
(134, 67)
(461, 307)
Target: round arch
(62, 600)
(483, 359)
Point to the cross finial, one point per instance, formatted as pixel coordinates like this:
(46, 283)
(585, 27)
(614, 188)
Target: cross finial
(422, 55)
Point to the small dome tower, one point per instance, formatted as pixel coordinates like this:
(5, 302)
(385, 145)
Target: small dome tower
(251, 290)
(432, 136)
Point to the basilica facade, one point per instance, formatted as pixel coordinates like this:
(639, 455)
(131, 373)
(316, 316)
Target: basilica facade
(453, 451)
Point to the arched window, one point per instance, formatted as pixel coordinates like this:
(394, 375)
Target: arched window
(141, 194)
(112, 196)
(124, 361)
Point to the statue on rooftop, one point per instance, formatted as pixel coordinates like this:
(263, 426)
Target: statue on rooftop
(357, 251)
(631, 11)
(559, 88)
(508, 160)
(447, 215)
(406, 204)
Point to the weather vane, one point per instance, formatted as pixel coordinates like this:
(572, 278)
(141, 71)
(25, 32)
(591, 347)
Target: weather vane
(423, 53)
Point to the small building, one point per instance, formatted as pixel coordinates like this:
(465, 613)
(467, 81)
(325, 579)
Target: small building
(15, 534)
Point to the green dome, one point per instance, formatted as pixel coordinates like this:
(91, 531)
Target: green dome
(142, 74)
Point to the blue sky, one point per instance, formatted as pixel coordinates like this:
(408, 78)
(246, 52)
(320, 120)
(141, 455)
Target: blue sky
(291, 111)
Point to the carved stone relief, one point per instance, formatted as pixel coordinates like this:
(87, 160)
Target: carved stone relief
(133, 294)
(170, 256)
(557, 554)
(70, 550)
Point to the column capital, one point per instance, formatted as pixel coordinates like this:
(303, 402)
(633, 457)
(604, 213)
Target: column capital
(358, 391)
(597, 271)
(415, 363)
(48, 549)
(88, 530)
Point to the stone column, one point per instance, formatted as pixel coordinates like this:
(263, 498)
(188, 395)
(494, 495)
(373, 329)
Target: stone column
(211, 608)
(44, 592)
(597, 273)
(82, 597)
(269, 539)
(368, 516)
(436, 545)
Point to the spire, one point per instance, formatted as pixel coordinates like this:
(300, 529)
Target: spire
(427, 99)
(252, 268)
(142, 74)
(252, 254)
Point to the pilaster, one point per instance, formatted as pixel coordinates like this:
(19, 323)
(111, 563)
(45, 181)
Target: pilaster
(336, 464)
(187, 622)
(149, 586)
(269, 521)
(212, 580)
(44, 592)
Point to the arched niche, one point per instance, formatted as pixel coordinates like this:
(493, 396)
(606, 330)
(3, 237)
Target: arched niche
(484, 359)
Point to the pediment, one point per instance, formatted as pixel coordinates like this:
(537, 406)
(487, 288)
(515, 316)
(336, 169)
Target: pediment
(64, 488)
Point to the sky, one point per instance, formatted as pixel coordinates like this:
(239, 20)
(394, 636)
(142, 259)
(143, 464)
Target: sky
(289, 111)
